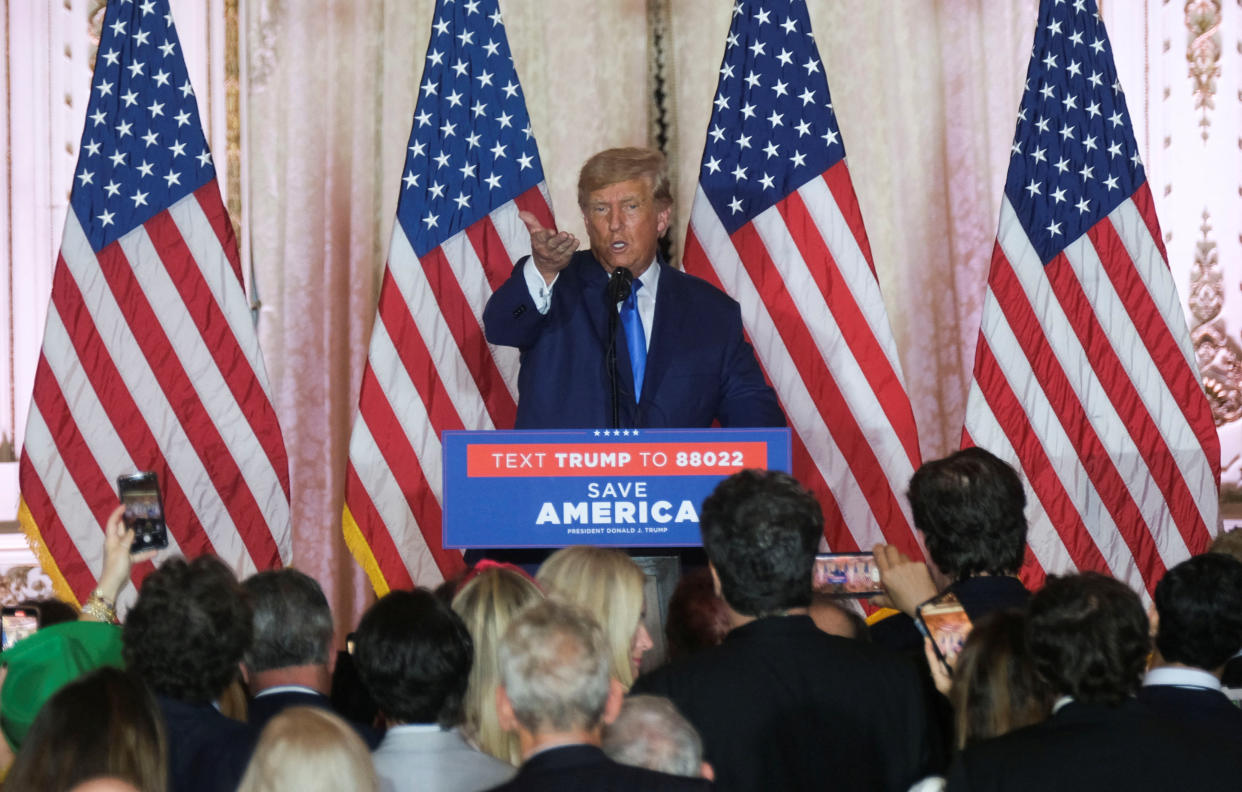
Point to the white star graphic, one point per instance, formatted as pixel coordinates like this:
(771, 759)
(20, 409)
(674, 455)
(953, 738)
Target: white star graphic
(410, 179)
(139, 199)
(172, 177)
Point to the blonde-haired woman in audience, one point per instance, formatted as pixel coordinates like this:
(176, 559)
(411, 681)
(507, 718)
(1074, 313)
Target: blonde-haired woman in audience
(307, 749)
(487, 602)
(609, 584)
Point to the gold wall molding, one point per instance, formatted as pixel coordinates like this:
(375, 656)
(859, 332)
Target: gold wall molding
(1203, 51)
(1219, 355)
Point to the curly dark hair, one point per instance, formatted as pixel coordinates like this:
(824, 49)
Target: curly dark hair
(1088, 638)
(969, 507)
(414, 656)
(189, 629)
(1199, 603)
(761, 529)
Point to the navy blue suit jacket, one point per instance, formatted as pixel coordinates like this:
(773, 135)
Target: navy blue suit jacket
(585, 768)
(700, 368)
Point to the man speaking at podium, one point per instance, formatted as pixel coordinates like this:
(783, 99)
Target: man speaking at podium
(614, 336)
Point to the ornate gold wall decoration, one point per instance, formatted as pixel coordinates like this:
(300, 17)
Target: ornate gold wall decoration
(661, 115)
(1203, 52)
(1219, 356)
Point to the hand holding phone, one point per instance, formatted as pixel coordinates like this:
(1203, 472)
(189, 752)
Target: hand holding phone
(144, 510)
(943, 619)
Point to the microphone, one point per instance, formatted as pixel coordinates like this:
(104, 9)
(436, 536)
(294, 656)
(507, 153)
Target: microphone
(620, 284)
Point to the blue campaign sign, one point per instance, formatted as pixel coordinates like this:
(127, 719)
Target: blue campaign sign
(618, 487)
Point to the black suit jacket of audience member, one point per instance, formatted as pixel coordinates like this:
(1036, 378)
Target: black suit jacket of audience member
(1091, 747)
(979, 596)
(586, 767)
(1196, 709)
(262, 709)
(207, 752)
(783, 706)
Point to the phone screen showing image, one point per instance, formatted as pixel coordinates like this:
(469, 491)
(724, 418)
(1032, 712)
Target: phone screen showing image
(944, 620)
(16, 624)
(846, 575)
(144, 511)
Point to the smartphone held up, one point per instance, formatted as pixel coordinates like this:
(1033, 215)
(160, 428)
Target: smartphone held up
(144, 510)
(943, 619)
(846, 575)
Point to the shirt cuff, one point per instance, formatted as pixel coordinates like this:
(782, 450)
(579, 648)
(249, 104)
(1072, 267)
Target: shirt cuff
(540, 290)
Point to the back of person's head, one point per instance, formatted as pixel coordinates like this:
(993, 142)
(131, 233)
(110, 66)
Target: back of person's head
(1088, 638)
(554, 666)
(617, 165)
(487, 603)
(1228, 543)
(607, 583)
(834, 618)
(649, 732)
(1199, 610)
(105, 784)
(189, 629)
(414, 656)
(761, 529)
(105, 723)
(697, 618)
(969, 507)
(41, 664)
(308, 749)
(995, 687)
(51, 611)
(292, 621)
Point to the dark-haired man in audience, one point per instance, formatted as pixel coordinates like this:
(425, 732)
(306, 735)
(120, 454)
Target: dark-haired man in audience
(185, 637)
(781, 704)
(414, 656)
(1088, 638)
(1198, 620)
(556, 694)
(969, 509)
(291, 659)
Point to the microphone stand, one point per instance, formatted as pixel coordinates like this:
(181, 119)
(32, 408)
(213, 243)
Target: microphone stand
(619, 287)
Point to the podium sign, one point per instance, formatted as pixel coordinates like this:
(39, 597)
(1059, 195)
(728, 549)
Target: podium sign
(616, 487)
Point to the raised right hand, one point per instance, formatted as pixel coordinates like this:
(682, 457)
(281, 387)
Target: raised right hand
(550, 250)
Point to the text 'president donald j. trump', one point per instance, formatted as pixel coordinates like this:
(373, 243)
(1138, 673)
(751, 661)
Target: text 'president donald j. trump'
(679, 358)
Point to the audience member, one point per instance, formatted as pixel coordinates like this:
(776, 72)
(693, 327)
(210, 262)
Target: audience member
(309, 749)
(349, 696)
(556, 694)
(649, 732)
(487, 602)
(968, 507)
(1198, 621)
(414, 656)
(1230, 543)
(834, 618)
(291, 658)
(103, 724)
(1088, 639)
(105, 784)
(64, 649)
(185, 637)
(696, 615)
(609, 585)
(994, 688)
(781, 704)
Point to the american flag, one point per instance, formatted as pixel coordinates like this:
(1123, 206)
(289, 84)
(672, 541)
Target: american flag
(776, 224)
(470, 167)
(150, 360)
(1084, 372)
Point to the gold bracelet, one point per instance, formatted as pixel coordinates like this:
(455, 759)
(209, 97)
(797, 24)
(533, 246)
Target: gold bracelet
(98, 607)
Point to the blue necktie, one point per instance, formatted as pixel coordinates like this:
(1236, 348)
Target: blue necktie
(635, 338)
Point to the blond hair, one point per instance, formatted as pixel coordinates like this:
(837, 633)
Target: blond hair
(607, 583)
(487, 603)
(304, 749)
(617, 165)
